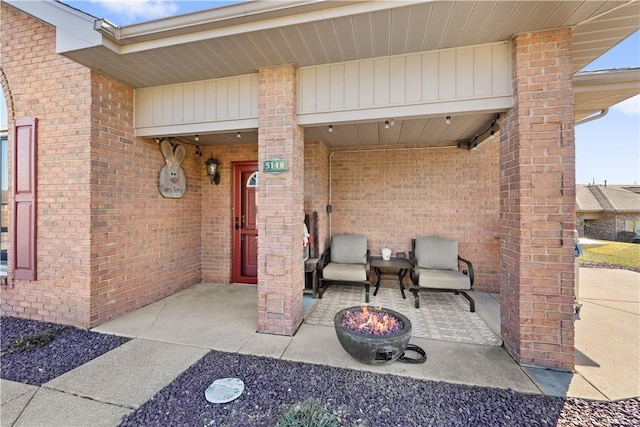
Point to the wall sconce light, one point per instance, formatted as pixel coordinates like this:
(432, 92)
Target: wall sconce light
(212, 170)
(239, 135)
(197, 138)
(330, 128)
(386, 124)
(448, 120)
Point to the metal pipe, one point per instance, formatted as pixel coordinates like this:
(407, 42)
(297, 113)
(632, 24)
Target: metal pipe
(594, 116)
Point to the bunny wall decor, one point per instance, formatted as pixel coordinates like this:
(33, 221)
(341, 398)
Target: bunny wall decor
(172, 181)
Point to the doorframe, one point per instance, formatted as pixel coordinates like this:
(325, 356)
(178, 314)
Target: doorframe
(236, 170)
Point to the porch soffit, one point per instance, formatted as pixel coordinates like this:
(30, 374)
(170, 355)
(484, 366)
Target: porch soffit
(594, 91)
(241, 38)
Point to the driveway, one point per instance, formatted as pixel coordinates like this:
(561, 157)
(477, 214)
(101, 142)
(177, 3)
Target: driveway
(607, 332)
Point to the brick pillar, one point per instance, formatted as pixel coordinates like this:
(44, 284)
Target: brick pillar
(280, 204)
(537, 203)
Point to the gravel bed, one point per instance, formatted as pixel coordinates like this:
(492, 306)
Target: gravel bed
(272, 386)
(586, 264)
(358, 398)
(70, 348)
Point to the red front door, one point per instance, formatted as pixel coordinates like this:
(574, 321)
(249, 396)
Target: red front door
(245, 230)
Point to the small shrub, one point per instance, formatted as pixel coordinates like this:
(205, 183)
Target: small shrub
(27, 343)
(625, 236)
(310, 413)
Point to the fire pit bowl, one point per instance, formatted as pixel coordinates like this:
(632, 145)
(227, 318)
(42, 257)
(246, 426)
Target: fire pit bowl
(370, 348)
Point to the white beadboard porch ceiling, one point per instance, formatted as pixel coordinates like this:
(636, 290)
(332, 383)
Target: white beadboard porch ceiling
(241, 38)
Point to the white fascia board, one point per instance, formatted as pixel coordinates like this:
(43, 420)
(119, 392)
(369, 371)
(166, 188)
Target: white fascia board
(154, 33)
(472, 106)
(197, 128)
(74, 29)
(606, 79)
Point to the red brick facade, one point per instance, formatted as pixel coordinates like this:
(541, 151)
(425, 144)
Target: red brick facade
(537, 193)
(217, 211)
(394, 194)
(280, 205)
(35, 78)
(316, 187)
(108, 242)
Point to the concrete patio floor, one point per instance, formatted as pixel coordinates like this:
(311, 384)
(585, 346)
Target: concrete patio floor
(172, 334)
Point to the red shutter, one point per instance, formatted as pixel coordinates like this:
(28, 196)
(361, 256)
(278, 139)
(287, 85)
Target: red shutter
(24, 199)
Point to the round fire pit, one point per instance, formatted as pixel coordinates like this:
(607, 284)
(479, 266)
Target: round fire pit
(373, 348)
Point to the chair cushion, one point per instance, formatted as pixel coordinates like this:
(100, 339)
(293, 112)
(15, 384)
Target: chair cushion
(437, 253)
(349, 249)
(443, 279)
(345, 272)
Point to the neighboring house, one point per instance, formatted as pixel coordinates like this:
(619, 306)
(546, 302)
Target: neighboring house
(389, 119)
(608, 212)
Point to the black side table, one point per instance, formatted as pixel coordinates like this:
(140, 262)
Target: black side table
(400, 267)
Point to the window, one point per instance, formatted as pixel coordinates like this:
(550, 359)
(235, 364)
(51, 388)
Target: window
(252, 182)
(632, 225)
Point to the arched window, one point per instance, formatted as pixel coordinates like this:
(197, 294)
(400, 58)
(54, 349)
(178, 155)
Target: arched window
(252, 182)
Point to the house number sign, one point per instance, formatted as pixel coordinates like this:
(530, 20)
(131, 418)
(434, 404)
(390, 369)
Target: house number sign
(275, 166)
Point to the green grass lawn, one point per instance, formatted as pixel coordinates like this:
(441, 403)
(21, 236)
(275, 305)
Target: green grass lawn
(617, 253)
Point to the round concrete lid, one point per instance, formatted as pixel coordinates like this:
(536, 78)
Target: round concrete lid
(224, 390)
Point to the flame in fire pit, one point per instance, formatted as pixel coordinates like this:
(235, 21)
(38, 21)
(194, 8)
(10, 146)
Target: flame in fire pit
(372, 322)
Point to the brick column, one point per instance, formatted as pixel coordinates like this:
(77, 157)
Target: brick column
(280, 204)
(537, 203)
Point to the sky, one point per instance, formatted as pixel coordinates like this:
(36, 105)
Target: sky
(606, 149)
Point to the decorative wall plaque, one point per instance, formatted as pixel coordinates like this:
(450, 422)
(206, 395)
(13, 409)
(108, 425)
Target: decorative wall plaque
(172, 181)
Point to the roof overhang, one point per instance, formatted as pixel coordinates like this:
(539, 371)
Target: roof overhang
(241, 38)
(596, 91)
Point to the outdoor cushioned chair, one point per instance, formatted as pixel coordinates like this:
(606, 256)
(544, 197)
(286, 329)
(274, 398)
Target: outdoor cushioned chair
(436, 268)
(345, 261)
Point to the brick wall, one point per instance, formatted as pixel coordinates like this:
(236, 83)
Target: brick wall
(144, 246)
(107, 241)
(606, 226)
(281, 204)
(316, 187)
(58, 92)
(394, 194)
(537, 193)
(217, 214)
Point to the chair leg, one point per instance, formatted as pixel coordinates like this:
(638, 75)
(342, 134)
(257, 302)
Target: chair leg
(417, 299)
(472, 303)
(321, 289)
(314, 283)
(366, 293)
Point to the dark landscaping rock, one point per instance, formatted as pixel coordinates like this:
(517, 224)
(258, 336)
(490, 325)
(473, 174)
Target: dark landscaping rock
(69, 348)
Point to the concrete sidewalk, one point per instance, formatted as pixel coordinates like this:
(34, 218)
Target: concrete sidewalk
(172, 334)
(607, 340)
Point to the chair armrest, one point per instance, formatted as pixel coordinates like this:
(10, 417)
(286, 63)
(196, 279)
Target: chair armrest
(368, 264)
(412, 259)
(324, 260)
(469, 268)
(413, 273)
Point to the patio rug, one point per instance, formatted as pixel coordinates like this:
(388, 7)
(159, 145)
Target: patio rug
(442, 315)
